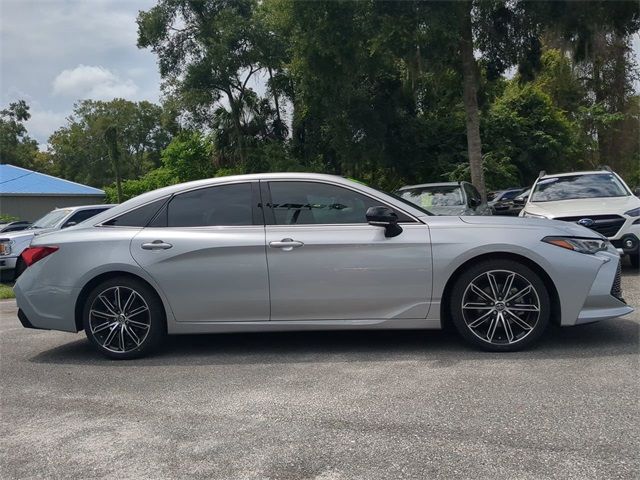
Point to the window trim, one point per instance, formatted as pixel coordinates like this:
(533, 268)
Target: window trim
(269, 216)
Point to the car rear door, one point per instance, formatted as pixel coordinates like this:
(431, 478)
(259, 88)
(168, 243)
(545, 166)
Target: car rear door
(206, 250)
(326, 262)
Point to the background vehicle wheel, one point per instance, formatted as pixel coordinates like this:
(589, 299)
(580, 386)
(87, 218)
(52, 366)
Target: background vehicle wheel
(123, 318)
(500, 305)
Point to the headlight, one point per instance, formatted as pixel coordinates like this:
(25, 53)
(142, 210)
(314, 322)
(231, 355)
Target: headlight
(5, 247)
(532, 215)
(582, 245)
(633, 213)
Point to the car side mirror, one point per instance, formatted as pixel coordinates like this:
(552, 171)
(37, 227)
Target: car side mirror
(474, 202)
(381, 216)
(69, 224)
(520, 200)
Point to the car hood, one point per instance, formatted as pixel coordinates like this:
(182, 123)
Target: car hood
(24, 234)
(554, 227)
(584, 206)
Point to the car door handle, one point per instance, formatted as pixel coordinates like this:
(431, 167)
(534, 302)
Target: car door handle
(156, 245)
(286, 244)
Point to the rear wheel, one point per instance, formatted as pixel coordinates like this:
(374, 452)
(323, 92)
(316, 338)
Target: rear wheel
(500, 305)
(123, 318)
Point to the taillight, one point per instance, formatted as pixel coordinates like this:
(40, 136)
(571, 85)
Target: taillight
(33, 254)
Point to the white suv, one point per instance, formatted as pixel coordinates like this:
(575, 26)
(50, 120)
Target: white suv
(599, 200)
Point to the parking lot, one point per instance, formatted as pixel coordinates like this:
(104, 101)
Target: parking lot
(333, 405)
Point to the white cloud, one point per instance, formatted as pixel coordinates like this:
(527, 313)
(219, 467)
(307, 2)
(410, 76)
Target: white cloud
(43, 123)
(95, 82)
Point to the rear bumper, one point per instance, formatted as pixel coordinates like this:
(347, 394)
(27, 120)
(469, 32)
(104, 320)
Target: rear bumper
(26, 323)
(605, 297)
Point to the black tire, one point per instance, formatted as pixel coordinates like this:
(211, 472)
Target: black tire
(127, 325)
(635, 261)
(473, 311)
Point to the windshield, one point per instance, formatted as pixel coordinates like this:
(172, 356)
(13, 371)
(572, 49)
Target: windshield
(51, 219)
(434, 196)
(578, 186)
(510, 195)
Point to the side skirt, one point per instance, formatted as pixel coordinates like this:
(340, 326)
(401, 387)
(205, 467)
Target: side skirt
(177, 328)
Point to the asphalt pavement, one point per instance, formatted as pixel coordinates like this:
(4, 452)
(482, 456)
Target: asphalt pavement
(324, 406)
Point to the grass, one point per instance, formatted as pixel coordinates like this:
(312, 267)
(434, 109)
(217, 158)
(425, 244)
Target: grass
(6, 291)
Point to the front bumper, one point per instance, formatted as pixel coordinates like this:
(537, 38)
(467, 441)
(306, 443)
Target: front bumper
(8, 263)
(605, 300)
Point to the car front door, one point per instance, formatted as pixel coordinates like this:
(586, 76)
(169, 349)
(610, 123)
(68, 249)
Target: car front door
(206, 250)
(327, 263)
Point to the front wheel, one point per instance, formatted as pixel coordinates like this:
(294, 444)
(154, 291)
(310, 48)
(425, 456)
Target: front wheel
(500, 305)
(123, 318)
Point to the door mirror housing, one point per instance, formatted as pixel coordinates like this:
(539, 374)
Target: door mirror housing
(69, 224)
(381, 216)
(474, 202)
(520, 201)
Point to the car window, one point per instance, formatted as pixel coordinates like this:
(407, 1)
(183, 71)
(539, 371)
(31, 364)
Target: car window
(434, 196)
(212, 206)
(82, 215)
(304, 203)
(472, 192)
(51, 219)
(572, 187)
(511, 195)
(138, 217)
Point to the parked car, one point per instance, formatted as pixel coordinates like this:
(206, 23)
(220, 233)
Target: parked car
(14, 226)
(449, 198)
(13, 244)
(599, 200)
(502, 202)
(275, 252)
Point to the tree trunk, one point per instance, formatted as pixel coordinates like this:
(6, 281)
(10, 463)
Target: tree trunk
(470, 95)
(111, 139)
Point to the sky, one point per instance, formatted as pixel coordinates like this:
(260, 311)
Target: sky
(56, 52)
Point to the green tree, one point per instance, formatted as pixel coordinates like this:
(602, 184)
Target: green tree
(16, 147)
(136, 132)
(209, 53)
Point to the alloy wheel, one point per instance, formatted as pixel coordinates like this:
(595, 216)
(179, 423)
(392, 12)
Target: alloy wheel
(500, 307)
(119, 319)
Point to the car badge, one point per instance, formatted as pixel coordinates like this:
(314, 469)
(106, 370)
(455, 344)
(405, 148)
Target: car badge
(586, 222)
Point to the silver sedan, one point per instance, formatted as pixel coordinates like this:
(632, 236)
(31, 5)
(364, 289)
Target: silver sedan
(275, 252)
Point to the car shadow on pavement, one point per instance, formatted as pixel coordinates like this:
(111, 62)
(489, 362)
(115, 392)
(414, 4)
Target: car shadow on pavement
(443, 348)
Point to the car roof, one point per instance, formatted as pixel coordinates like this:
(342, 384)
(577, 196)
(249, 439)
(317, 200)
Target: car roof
(437, 184)
(209, 182)
(571, 174)
(86, 207)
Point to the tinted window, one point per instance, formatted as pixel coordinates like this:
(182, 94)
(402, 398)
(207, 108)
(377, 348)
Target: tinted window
(82, 215)
(578, 186)
(223, 205)
(139, 217)
(511, 195)
(303, 203)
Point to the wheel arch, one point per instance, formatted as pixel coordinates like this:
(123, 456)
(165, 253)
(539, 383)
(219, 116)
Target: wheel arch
(91, 284)
(556, 312)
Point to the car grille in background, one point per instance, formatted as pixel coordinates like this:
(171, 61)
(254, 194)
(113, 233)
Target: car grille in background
(607, 225)
(616, 288)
